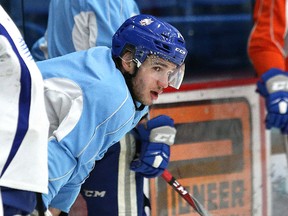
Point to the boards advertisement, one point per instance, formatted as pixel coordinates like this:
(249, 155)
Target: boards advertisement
(219, 155)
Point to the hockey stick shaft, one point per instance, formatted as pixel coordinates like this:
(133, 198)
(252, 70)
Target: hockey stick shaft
(167, 176)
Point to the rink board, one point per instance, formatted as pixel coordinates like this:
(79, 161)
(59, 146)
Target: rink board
(220, 152)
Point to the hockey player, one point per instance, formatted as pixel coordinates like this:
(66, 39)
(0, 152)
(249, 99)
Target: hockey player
(23, 124)
(266, 46)
(81, 25)
(147, 55)
(267, 49)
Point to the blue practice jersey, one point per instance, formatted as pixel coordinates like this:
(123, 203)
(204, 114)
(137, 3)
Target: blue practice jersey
(89, 108)
(83, 24)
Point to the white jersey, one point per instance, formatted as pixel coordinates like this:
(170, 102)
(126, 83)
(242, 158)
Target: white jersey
(23, 120)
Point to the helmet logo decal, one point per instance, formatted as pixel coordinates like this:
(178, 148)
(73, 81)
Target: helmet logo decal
(180, 36)
(146, 22)
(180, 51)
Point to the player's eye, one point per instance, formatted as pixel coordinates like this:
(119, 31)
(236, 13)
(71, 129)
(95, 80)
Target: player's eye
(157, 69)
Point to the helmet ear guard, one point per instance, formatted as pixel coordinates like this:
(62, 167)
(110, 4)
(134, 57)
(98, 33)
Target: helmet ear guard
(151, 36)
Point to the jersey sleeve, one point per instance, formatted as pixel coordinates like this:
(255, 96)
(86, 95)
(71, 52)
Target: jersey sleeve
(68, 193)
(65, 197)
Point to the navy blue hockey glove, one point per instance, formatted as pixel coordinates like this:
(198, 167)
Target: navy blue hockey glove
(156, 137)
(273, 86)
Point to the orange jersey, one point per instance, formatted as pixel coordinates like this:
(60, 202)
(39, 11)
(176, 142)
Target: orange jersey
(266, 45)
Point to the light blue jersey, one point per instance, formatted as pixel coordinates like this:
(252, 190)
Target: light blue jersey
(83, 24)
(90, 108)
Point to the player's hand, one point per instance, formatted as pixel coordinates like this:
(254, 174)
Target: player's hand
(273, 86)
(156, 137)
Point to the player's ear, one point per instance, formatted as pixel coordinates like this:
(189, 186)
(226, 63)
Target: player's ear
(127, 62)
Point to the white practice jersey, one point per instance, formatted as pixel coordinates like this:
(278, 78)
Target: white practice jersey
(23, 120)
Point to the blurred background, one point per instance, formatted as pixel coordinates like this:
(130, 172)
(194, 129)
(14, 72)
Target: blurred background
(216, 31)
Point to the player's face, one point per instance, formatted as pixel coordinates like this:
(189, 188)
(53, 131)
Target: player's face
(151, 79)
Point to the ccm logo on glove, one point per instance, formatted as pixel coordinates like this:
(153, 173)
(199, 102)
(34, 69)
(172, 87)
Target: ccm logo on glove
(279, 85)
(164, 134)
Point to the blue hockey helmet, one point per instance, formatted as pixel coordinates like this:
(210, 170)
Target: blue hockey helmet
(151, 36)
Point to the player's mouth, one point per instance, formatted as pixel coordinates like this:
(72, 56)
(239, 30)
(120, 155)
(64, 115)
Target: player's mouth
(155, 94)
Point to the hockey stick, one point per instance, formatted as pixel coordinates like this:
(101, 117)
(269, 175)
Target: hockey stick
(166, 175)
